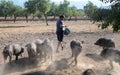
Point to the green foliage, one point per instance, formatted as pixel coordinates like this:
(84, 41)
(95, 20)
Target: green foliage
(39, 8)
(64, 8)
(104, 25)
(81, 13)
(30, 6)
(90, 9)
(118, 30)
(6, 8)
(42, 5)
(18, 11)
(102, 15)
(116, 16)
(38, 14)
(109, 16)
(53, 9)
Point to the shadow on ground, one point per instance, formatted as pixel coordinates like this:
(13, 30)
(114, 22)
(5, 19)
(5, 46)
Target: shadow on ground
(58, 65)
(12, 26)
(18, 66)
(95, 57)
(39, 73)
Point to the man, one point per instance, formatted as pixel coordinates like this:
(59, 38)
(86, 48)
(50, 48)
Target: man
(59, 32)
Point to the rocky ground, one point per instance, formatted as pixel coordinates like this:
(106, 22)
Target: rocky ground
(24, 33)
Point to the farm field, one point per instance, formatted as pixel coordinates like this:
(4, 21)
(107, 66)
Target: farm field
(83, 30)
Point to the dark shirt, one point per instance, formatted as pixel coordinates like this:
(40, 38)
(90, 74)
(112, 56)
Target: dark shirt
(59, 25)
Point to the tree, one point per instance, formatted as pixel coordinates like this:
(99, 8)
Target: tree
(7, 8)
(30, 8)
(90, 9)
(53, 10)
(18, 12)
(44, 7)
(113, 18)
(74, 12)
(102, 15)
(64, 8)
(116, 17)
(26, 13)
(38, 14)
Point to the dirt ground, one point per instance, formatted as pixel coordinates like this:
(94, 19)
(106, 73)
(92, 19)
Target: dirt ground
(23, 33)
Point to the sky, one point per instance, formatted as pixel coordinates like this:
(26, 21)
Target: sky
(78, 3)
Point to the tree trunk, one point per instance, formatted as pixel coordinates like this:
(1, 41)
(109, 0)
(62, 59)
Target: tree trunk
(69, 18)
(5, 17)
(54, 17)
(26, 18)
(33, 18)
(46, 19)
(39, 18)
(75, 18)
(15, 18)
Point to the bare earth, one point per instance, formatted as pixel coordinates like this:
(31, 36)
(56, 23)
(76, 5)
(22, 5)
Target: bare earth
(23, 33)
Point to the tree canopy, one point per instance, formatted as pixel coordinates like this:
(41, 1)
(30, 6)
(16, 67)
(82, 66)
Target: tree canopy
(108, 16)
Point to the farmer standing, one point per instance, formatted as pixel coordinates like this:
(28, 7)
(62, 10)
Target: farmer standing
(59, 32)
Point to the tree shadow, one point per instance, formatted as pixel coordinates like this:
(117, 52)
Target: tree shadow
(12, 26)
(17, 66)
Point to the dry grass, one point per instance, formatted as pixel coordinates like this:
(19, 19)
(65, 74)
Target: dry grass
(40, 26)
(59, 64)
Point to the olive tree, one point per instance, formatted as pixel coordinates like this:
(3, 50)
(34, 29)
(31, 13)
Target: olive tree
(112, 15)
(7, 8)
